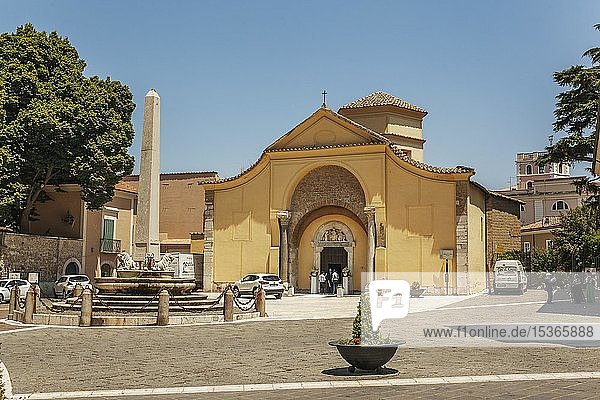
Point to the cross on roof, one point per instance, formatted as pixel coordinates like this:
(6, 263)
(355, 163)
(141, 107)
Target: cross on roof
(324, 95)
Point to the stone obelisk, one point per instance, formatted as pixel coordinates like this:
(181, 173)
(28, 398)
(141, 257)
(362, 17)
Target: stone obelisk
(146, 231)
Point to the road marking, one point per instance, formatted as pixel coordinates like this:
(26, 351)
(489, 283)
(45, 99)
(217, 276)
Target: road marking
(19, 327)
(496, 305)
(311, 385)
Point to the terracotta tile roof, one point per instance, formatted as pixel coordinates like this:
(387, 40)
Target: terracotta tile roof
(175, 175)
(440, 170)
(545, 223)
(382, 99)
(126, 187)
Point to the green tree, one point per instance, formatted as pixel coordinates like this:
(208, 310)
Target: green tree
(578, 240)
(576, 111)
(57, 125)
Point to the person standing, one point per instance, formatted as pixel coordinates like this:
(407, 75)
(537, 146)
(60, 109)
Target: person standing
(577, 290)
(549, 286)
(590, 288)
(335, 279)
(322, 282)
(329, 282)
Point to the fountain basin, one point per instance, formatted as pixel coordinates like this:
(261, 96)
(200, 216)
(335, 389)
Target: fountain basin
(145, 284)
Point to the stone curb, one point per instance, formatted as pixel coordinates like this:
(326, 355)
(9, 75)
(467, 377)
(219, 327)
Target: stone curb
(5, 381)
(124, 320)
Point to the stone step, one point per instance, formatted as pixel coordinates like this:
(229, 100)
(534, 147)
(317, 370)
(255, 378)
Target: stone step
(148, 297)
(149, 308)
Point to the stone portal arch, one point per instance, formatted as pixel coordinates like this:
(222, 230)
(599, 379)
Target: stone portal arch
(72, 267)
(322, 187)
(334, 234)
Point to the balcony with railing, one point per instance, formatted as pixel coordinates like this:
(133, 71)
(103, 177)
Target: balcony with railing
(110, 246)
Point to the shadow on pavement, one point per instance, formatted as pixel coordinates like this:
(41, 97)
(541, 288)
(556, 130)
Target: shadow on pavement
(345, 372)
(562, 305)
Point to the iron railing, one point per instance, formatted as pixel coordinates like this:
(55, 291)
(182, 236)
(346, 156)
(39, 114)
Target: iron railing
(110, 246)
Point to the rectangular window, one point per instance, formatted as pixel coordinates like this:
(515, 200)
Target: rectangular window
(548, 244)
(108, 228)
(526, 247)
(541, 169)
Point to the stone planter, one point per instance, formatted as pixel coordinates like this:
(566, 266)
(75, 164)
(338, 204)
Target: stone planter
(416, 292)
(367, 357)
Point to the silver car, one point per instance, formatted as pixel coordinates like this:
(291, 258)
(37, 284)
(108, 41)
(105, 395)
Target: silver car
(66, 283)
(7, 284)
(271, 284)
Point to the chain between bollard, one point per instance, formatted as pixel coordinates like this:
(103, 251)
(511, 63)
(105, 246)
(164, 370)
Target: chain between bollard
(209, 308)
(109, 308)
(70, 308)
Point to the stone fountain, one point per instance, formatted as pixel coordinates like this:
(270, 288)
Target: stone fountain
(144, 278)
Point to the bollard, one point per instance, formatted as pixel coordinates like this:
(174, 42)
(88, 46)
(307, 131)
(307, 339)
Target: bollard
(29, 305)
(340, 291)
(13, 303)
(260, 302)
(38, 301)
(86, 308)
(228, 305)
(163, 308)
(290, 291)
(77, 290)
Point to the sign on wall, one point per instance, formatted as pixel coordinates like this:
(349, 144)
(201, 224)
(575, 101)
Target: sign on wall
(183, 264)
(33, 277)
(446, 254)
(14, 275)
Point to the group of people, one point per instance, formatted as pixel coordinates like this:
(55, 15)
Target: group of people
(328, 282)
(583, 290)
(587, 285)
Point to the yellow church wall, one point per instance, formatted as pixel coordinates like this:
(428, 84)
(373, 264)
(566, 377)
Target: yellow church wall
(420, 222)
(242, 229)
(306, 251)
(324, 131)
(476, 234)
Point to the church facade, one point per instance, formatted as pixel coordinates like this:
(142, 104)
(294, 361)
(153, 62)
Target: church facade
(349, 191)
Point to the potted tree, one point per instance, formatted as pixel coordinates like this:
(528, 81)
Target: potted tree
(416, 290)
(366, 350)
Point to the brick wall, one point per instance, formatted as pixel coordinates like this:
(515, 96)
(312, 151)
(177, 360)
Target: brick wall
(503, 226)
(322, 187)
(43, 254)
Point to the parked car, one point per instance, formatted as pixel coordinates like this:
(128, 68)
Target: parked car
(271, 284)
(6, 286)
(66, 283)
(509, 275)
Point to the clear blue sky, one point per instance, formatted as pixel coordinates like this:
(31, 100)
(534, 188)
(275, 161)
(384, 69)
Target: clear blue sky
(235, 75)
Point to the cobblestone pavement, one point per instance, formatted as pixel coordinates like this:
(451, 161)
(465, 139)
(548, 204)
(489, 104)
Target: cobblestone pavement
(275, 351)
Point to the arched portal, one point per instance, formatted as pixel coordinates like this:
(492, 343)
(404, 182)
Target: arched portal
(71, 267)
(324, 192)
(331, 240)
(333, 246)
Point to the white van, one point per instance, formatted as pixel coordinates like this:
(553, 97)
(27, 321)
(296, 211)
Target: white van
(509, 275)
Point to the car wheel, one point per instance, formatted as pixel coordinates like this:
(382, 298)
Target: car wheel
(236, 291)
(1, 298)
(278, 296)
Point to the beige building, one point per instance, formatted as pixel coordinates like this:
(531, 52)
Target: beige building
(67, 238)
(349, 191)
(181, 208)
(546, 193)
